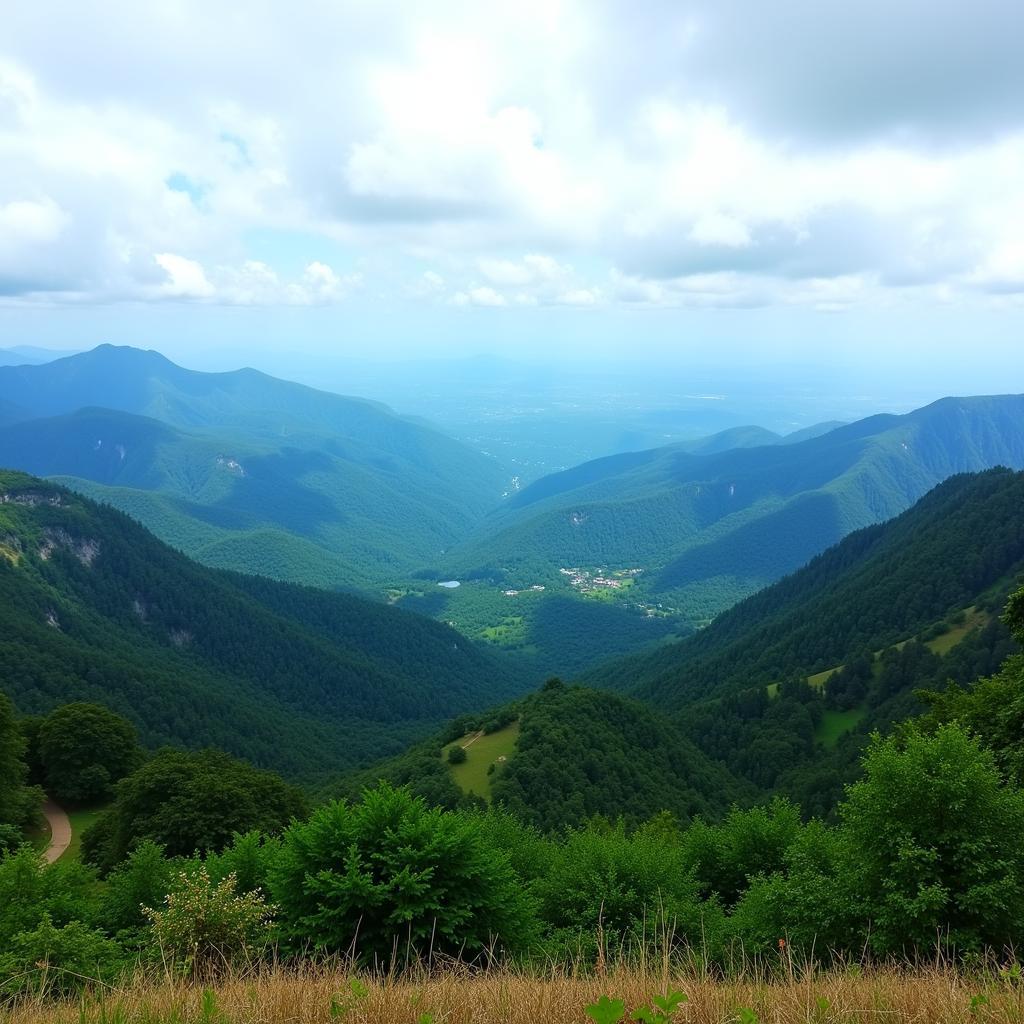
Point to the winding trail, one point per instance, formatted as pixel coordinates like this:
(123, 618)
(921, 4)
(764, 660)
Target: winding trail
(60, 831)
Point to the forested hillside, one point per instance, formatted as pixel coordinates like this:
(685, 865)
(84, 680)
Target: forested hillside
(706, 530)
(880, 585)
(582, 753)
(245, 471)
(777, 696)
(95, 608)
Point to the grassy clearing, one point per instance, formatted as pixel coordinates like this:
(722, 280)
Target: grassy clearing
(481, 752)
(974, 618)
(871, 996)
(509, 631)
(834, 724)
(80, 821)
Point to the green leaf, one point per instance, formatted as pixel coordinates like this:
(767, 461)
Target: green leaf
(670, 1002)
(606, 1011)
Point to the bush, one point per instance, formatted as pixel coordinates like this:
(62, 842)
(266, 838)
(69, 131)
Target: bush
(935, 844)
(388, 877)
(249, 858)
(10, 838)
(205, 927)
(189, 802)
(806, 900)
(626, 885)
(56, 961)
(31, 890)
(142, 880)
(457, 755)
(723, 857)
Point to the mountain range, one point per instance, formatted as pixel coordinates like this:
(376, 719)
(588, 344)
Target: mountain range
(706, 528)
(245, 471)
(249, 473)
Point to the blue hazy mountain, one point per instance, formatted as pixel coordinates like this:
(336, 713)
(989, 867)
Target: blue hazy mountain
(244, 470)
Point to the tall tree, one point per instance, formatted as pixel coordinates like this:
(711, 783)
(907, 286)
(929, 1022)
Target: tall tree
(85, 749)
(188, 801)
(18, 802)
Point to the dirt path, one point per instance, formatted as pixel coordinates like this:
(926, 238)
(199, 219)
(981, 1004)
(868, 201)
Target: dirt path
(60, 831)
(472, 739)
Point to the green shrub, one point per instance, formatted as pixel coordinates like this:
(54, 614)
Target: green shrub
(58, 961)
(806, 901)
(457, 755)
(31, 890)
(723, 857)
(249, 858)
(142, 880)
(935, 844)
(626, 885)
(389, 877)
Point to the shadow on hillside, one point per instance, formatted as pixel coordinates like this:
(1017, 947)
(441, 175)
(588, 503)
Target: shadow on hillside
(765, 549)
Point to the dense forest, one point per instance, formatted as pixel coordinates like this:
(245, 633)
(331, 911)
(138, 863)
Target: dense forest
(877, 587)
(94, 608)
(252, 474)
(924, 857)
(819, 763)
(783, 691)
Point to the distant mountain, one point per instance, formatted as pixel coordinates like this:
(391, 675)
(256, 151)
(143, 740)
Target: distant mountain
(877, 587)
(20, 354)
(93, 607)
(246, 471)
(751, 437)
(708, 529)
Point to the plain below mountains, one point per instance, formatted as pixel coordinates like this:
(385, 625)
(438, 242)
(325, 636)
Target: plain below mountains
(93, 607)
(245, 471)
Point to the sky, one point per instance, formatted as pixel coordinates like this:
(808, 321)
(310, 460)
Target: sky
(840, 182)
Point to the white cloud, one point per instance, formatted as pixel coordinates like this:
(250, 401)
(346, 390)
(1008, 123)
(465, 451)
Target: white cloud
(28, 222)
(479, 296)
(542, 154)
(186, 278)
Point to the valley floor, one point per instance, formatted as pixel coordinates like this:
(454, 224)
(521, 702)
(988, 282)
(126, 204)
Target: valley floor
(930, 995)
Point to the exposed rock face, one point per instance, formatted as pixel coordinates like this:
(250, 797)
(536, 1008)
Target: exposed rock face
(32, 499)
(84, 549)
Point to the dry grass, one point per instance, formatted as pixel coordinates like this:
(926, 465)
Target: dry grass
(455, 996)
